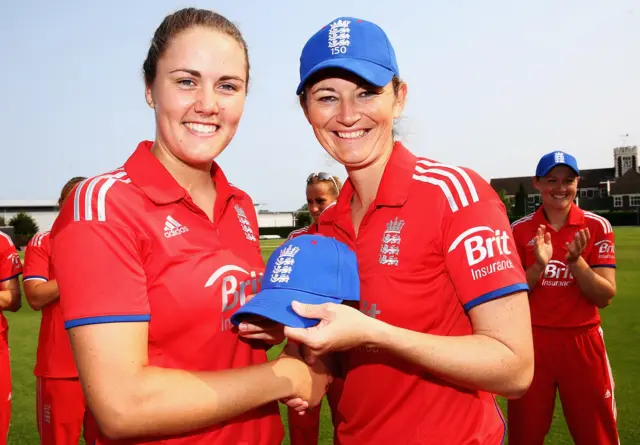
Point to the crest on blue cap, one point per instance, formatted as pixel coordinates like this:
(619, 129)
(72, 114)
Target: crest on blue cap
(354, 45)
(311, 269)
(553, 159)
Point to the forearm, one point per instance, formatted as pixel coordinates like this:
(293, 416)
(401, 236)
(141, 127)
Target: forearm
(596, 288)
(475, 361)
(41, 293)
(162, 401)
(10, 300)
(533, 275)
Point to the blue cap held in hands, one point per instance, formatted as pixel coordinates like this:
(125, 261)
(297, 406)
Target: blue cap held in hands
(311, 269)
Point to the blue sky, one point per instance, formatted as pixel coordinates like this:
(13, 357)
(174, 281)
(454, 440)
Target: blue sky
(492, 86)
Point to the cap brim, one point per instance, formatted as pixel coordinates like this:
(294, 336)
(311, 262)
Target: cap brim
(275, 304)
(371, 72)
(546, 171)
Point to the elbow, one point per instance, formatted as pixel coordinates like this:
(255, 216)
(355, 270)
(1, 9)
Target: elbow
(604, 303)
(34, 304)
(15, 307)
(115, 421)
(606, 299)
(520, 378)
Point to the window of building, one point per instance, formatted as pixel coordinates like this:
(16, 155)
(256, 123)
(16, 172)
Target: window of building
(634, 200)
(583, 193)
(603, 193)
(617, 201)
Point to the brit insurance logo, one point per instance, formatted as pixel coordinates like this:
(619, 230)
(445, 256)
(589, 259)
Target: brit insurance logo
(557, 274)
(482, 245)
(339, 37)
(606, 249)
(237, 286)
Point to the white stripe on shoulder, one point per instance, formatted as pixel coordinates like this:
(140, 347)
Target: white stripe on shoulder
(37, 238)
(297, 232)
(460, 171)
(529, 217)
(443, 186)
(4, 235)
(604, 222)
(96, 187)
(456, 183)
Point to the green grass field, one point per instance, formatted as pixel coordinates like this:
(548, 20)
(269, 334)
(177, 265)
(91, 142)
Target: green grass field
(620, 324)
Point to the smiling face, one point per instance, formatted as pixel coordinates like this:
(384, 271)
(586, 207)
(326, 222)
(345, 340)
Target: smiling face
(352, 119)
(558, 188)
(198, 94)
(319, 196)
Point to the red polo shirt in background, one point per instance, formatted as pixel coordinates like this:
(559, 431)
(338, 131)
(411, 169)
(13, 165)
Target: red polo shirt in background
(557, 301)
(10, 267)
(131, 245)
(54, 357)
(434, 244)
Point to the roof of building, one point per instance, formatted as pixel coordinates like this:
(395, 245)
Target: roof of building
(512, 185)
(589, 178)
(627, 184)
(21, 203)
(592, 178)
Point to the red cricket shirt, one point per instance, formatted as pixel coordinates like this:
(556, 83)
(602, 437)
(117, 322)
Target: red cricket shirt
(131, 245)
(434, 244)
(556, 301)
(10, 267)
(54, 356)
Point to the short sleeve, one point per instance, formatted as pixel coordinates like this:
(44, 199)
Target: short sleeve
(481, 255)
(603, 253)
(520, 246)
(100, 274)
(10, 264)
(37, 259)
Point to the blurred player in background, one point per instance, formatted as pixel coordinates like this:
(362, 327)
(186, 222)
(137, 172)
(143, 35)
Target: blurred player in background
(60, 403)
(569, 256)
(10, 300)
(322, 192)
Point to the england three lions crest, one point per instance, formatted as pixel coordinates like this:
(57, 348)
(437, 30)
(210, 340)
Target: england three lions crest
(390, 246)
(244, 223)
(284, 265)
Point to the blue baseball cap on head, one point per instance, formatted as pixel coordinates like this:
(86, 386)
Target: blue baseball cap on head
(311, 269)
(354, 45)
(553, 159)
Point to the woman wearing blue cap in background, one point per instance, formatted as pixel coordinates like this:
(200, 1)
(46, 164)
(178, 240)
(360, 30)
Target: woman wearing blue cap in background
(444, 318)
(569, 256)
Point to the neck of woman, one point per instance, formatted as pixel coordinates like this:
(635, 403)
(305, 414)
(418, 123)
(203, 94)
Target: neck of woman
(195, 179)
(366, 180)
(556, 217)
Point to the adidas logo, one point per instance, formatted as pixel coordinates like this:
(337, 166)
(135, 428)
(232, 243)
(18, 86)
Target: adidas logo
(532, 242)
(173, 228)
(607, 394)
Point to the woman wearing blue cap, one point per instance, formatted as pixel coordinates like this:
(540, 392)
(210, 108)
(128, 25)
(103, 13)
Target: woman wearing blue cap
(443, 319)
(569, 257)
